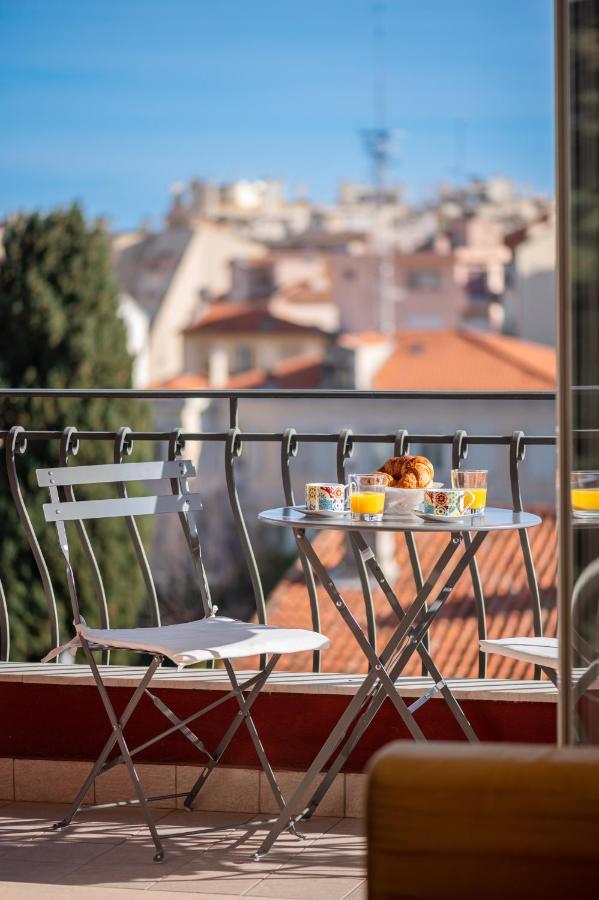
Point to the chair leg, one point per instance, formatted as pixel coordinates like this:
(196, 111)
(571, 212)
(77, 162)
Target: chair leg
(245, 706)
(95, 771)
(159, 855)
(118, 724)
(253, 732)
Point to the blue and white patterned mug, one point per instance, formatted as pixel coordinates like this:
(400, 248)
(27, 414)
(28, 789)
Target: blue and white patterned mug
(325, 496)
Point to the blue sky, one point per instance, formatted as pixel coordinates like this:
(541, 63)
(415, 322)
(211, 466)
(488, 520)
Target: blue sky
(111, 102)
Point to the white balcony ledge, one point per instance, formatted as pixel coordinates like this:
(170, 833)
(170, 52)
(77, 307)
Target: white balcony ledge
(499, 689)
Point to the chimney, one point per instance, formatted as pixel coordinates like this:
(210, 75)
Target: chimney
(218, 367)
(385, 549)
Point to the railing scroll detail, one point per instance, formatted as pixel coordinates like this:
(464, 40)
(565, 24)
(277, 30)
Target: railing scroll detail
(345, 449)
(289, 450)
(69, 446)
(4, 627)
(517, 454)
(233, 450)
(123, 447)
(179, 485)
(459, 452)
(16, 445)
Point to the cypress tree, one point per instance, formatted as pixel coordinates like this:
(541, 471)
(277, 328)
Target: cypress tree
(59, 328)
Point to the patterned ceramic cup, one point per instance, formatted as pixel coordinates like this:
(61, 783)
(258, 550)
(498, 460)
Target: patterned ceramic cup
(325, 496)
(448, 501)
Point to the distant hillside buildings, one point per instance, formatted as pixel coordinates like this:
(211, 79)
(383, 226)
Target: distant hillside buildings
(480, 256)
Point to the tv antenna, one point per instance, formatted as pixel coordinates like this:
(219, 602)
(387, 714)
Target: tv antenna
(377, 139)
(377, 142)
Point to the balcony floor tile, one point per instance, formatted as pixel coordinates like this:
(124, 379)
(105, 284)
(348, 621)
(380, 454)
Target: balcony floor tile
(301, 887)
(19, 891)
(110, 854)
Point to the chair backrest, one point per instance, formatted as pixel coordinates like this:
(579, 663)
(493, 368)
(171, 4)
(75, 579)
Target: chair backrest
(118, 473)
(60, 481)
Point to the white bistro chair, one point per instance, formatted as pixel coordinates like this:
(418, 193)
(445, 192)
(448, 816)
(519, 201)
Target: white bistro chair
(544, 651)
(210, 638)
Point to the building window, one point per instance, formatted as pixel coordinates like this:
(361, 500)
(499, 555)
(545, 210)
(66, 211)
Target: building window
(477, 284)
(424, 280)
(243, 359)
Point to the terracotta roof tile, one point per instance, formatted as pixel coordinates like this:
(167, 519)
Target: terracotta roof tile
(453, 635)
(463, 360)
(253, 378)
(299, 372)
(186, 381)
(245, 318)
(304, 371)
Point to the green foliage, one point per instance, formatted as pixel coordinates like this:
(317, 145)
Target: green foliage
(59, 328)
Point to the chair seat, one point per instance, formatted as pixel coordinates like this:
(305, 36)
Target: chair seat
(542, 651)
(215, 637)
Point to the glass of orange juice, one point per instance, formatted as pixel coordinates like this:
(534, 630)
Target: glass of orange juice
(367, 497)
(585, 493)
(474, 480)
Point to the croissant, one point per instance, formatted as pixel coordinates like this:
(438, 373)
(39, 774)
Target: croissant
(409, 471)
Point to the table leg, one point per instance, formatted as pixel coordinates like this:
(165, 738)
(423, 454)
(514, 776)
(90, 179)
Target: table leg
(417, 575)
(479, 603)
(301, 793)
(467, 559)
(368, 650)
(378, 698)
(377, 673)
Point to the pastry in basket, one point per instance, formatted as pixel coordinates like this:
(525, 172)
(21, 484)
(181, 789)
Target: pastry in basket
(389, 478)
(409, 471)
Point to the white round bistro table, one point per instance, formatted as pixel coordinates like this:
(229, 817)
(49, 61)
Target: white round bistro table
(385, 666)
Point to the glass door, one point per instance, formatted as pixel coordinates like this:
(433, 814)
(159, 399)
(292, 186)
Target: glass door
(577, 92)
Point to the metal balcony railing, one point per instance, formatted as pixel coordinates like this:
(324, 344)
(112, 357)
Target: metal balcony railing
(233, 439)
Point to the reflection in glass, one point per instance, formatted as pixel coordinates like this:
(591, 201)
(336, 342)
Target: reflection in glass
(584, 106)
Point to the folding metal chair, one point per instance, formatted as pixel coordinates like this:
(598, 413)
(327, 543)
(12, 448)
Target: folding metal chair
(544, 651)
(212, 637)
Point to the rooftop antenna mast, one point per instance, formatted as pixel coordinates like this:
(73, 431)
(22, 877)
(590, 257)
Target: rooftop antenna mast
(377, 145)
(377, 139)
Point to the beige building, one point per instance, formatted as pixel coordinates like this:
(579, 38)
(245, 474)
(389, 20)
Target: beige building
(174, 275)
(480, 257)
(459, 275)
(293, 285)
(232, 340)
(420, 291)
(137, 326)
(530, 298)
(256, 208)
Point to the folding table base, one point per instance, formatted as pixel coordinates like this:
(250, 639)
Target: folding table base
(384, 669)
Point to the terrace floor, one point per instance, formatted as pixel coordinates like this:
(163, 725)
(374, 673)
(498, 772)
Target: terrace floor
(108, 854)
